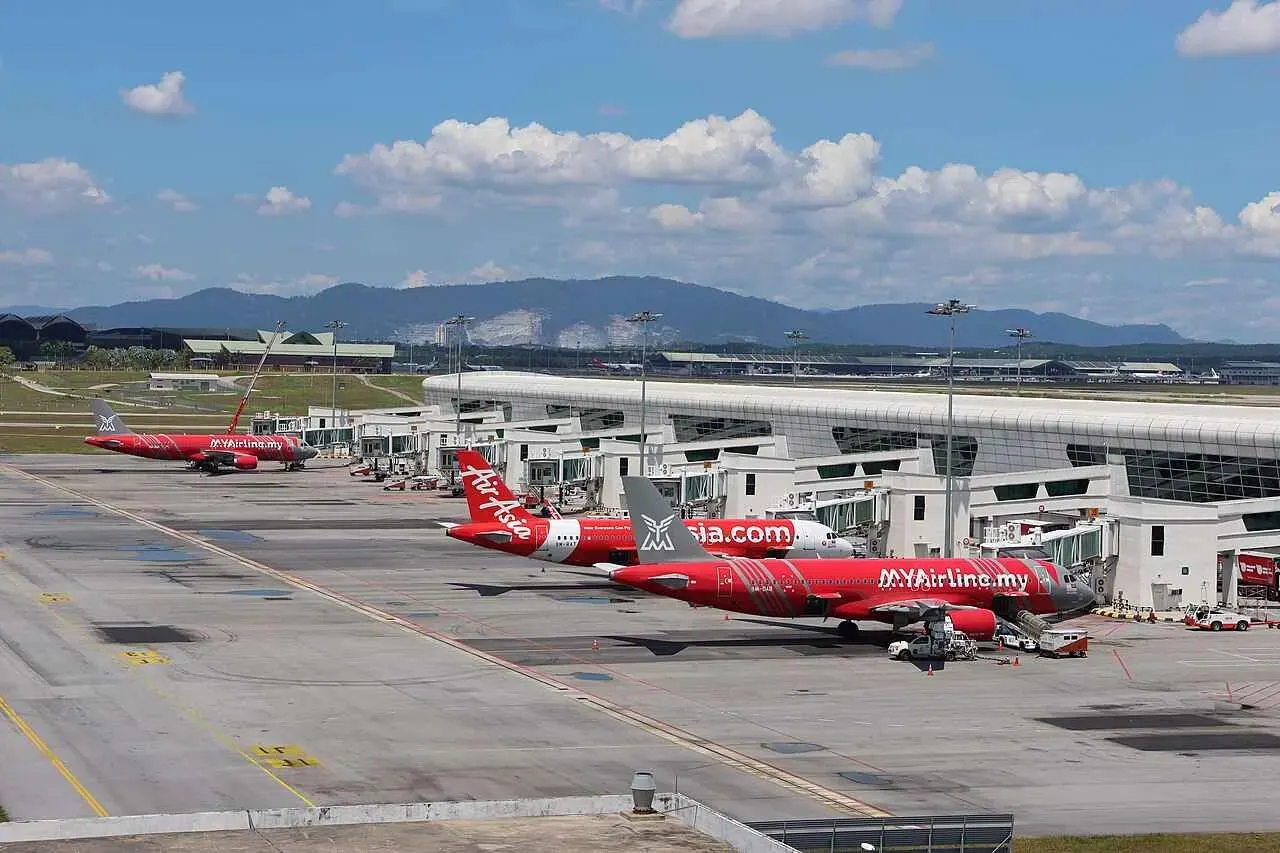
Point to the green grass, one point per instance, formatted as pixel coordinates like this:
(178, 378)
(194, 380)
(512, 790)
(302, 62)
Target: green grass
(79, 380)
(293, 394)
(1253, 842)
(4, 815)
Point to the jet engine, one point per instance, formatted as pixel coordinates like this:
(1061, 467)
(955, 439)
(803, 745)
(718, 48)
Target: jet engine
(245, 461)
(978, 624)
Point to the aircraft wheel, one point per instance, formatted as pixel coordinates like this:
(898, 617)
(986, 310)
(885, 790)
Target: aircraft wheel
(847, 629)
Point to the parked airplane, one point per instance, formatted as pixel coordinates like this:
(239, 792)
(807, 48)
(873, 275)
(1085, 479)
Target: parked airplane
(614, 366)
(208, 452)
(972, 592)
(499, 521)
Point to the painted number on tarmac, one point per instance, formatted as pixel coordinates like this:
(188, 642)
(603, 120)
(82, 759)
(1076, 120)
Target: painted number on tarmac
(141, 657)
(54, 598)
(283, 757)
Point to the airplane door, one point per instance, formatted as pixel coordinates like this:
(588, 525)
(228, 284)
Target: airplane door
(724, 582)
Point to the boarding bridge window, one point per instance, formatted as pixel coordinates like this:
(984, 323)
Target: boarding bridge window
(698, 487)
(1090, 544)
(1066, 488)
(589, 443)
(1200, 478)
(871, 469)
(747, 449)
(858, 440)
(543, 472)
(705, 454)
(1017, 491)
(524, 452)
(624, 466)
(964, 453)
(402, 444)
(1157, 540)
(751, 484)
(1084, 455)
(574, 468)
(1023, 552)
(834, 472)
(697, 428)
(919, 508)
(1256, 522)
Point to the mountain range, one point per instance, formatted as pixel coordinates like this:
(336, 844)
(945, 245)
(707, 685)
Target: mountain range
(592, 313)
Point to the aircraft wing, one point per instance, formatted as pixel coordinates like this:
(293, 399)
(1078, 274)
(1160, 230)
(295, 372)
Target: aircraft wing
(917, 608)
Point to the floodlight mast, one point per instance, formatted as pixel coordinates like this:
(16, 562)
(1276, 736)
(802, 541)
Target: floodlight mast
(1021, 335)
(644, 318)
(796, 335)
(950, 309)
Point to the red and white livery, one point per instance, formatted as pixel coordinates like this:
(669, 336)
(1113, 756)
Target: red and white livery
(500, 521)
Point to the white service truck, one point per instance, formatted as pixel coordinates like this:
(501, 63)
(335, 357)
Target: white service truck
(940, 641)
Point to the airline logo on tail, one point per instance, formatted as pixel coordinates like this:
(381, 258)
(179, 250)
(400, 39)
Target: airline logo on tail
(657, 533)
(508, 512)
(950, 579)
(108, 423)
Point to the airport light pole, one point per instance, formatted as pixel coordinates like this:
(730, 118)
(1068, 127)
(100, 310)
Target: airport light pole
(644, 318)
(797, 336)
(1021, 334)
(335, 325)
(950, 309)
(461, 322)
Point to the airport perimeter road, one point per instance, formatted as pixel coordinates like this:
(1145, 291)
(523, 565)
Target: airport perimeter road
(762, 720)
(148, 672)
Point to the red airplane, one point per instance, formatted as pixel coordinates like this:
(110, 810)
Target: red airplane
(499, 521)
(208, 452)
(972, 592)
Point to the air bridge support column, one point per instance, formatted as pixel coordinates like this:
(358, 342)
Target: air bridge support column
(1230, 573)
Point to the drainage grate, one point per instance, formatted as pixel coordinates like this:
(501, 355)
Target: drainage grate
(1198, 742)
(144, 634)
(793, 747)
(1098, 722)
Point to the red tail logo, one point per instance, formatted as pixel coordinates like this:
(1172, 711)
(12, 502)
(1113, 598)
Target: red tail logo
(488, 497)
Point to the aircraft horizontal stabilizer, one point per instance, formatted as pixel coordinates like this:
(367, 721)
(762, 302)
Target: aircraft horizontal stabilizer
(610, 568)
(447, 525)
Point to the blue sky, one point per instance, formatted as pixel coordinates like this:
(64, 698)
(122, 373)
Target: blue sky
(1090, 157)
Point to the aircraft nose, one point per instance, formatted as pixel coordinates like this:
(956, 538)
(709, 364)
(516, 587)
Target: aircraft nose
(843, 546)
(306, 451)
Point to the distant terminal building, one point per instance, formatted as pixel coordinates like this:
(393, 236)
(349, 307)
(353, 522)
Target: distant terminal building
(1250, 373)
(182, 381)
(299, 351)
(1158, 502)
(162, 337)
(23, 335)
(911, 366)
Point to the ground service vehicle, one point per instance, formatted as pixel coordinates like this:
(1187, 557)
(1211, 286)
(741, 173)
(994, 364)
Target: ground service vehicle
(1012, 640)
(1064, 642)
(1216, 618)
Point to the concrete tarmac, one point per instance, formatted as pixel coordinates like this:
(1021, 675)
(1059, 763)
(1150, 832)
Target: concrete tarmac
(410, 669)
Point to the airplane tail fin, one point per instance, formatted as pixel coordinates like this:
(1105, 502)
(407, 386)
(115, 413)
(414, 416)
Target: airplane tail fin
(488, 498)
(109, 423)
(660, 535)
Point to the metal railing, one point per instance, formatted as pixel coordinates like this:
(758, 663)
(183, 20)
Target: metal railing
(975, 833)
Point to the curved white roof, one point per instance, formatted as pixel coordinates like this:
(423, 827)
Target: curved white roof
(1101, 418)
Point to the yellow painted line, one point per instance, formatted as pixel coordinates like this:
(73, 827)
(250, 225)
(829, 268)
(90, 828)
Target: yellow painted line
(196, 717)
(143, 657)
(721, 753)
(52, 758)
(284, 757)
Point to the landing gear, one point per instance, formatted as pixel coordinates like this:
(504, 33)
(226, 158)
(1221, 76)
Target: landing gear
(294, 466)
(847, 629)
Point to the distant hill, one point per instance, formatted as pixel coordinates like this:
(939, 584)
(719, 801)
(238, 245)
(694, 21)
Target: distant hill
(592, 314)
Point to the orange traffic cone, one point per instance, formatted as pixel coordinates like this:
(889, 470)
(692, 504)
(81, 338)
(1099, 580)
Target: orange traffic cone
(726, 617)
(1015, 661)
(595, 645)
(930, 672)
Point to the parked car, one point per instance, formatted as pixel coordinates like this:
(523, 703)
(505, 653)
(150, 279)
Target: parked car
(1011, 640)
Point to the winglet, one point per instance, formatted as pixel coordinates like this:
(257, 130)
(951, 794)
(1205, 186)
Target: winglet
(109, 423)
(660, 535)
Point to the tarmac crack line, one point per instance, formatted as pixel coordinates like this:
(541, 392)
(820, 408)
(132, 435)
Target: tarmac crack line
(702, 746)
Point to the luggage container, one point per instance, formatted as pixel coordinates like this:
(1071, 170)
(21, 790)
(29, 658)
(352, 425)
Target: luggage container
(1068, 642)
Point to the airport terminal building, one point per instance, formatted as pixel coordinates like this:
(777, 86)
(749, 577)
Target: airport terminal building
(1160, 502)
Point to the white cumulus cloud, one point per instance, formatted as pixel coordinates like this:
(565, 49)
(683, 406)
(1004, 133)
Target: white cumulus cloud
(157, 272)
(488, 271)
(300, 285)
(887, 59)
(176, 201)
(1245, 27)
(417, 278)
(281, 201)
(52, 184)
(166, 98)
(26, 257)
(694, 19)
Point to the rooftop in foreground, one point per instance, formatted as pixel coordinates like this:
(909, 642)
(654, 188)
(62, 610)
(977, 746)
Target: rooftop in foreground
(605, 834)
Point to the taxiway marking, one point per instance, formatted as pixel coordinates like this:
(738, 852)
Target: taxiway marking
(52, 758)
(722, 754)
